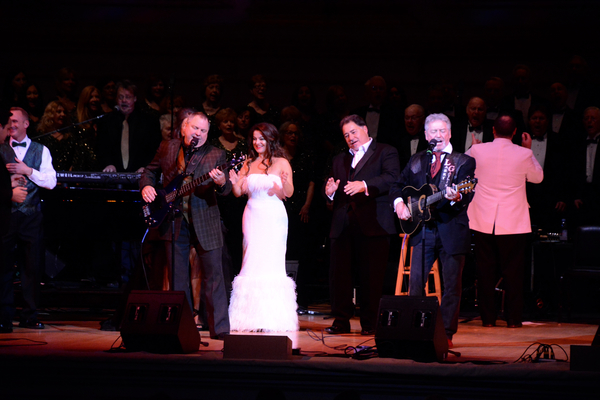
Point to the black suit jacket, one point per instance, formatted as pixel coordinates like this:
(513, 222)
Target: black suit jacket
(451, 219)
(404, 145)
(542, 197)
(461, 129)
(379, 168)
(144, 138)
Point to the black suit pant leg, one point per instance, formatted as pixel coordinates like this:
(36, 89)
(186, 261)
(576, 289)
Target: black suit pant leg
(213, 282)
(504, 255)
(451, 266)
(24, 238)
(353, 253)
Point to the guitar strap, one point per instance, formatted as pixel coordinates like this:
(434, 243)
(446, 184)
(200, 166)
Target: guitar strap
(448, 170)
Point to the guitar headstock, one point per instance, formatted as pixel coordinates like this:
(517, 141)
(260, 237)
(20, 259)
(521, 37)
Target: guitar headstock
(237, 161)
(466, 186)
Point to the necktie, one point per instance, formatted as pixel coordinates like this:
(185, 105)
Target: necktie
(16, 144)
(125, 144)
(436, 165)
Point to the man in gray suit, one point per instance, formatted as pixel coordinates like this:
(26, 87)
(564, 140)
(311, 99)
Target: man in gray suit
(198, 222)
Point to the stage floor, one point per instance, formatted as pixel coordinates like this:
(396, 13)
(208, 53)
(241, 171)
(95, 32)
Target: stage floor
(73, 358)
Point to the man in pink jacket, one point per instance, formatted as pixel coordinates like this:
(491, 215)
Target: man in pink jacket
(499, 216)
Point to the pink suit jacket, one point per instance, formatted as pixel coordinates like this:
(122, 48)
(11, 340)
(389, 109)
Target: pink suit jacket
(502, 169)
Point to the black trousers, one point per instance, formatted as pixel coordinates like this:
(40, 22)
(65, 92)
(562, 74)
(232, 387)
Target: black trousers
(500, 255)
(212, 277)
(354, 254)
(451, 272)
(24, 239)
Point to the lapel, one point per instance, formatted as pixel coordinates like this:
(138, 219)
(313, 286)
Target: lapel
(366, 157)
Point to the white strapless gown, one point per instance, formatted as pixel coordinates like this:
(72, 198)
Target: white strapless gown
(263, 297)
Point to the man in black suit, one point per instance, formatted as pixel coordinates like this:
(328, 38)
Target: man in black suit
(587, 171)
(127, 141)
(129, 137)
(476, 128)
(198, 224)
(381, 118)
(548, 199)
(362, 223)
(446, 236)
(413, 137)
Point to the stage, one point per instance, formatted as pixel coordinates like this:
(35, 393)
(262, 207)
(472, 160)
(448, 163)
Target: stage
(73, 359)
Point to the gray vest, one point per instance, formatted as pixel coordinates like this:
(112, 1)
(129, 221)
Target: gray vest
(33, 159)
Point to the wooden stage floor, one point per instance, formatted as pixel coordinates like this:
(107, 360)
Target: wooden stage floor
(72, 358)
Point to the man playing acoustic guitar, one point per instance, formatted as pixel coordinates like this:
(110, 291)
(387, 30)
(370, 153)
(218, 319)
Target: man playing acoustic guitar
(445, 235)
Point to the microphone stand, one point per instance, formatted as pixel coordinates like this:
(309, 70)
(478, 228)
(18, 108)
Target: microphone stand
(70, 126)
(428, 178)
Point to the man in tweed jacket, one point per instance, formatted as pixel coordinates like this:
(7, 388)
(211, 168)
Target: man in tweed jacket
(198, 222)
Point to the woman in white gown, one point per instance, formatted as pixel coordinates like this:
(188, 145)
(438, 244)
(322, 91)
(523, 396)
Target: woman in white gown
(263, 298)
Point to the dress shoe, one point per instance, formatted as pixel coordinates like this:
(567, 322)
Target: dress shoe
(32, 324)
(337, 330)
(514, 324)
(367, 332)
(219, 336)
(6, 327)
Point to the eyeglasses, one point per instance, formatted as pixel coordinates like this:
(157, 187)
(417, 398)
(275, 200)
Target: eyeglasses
(413, 117)
(434, 131)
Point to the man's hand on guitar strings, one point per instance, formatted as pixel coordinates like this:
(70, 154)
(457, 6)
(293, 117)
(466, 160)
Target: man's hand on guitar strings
(452, 194)
(148, 194)
(402, 211)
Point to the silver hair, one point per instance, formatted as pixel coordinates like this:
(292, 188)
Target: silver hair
(437, 117)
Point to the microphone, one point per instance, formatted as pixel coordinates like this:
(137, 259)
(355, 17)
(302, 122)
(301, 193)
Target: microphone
(117, 108)
(431, 146)
(192, 147)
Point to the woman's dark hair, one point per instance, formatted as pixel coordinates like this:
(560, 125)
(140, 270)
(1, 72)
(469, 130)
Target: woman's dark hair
(270, 133)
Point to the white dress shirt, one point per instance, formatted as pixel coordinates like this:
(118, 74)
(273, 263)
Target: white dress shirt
(46, 176)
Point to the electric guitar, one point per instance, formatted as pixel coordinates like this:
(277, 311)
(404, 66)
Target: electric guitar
(156, 211)
(420, 200)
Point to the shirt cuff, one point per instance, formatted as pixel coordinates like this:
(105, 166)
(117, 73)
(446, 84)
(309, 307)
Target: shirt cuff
(366, 188)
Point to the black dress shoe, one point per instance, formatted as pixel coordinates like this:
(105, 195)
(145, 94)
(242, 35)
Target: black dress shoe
(32, 324)
(6, 327)
(337, 330)
(367, 332)
(220, 336)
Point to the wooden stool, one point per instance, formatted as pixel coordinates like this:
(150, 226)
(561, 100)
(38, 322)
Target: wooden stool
(404, 272)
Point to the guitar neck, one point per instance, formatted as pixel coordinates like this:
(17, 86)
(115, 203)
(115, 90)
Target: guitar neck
(437, 196)
(188, 187)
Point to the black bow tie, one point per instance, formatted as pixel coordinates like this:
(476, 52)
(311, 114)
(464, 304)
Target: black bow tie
(540, 138)
(373, 109)
(15, 144)
(590, 141)
(471, 129)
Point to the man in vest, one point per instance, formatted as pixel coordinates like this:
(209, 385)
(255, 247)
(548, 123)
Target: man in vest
(33, 163)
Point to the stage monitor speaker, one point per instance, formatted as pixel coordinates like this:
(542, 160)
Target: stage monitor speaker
(159, 322)
(411, 327)
(255, 347)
